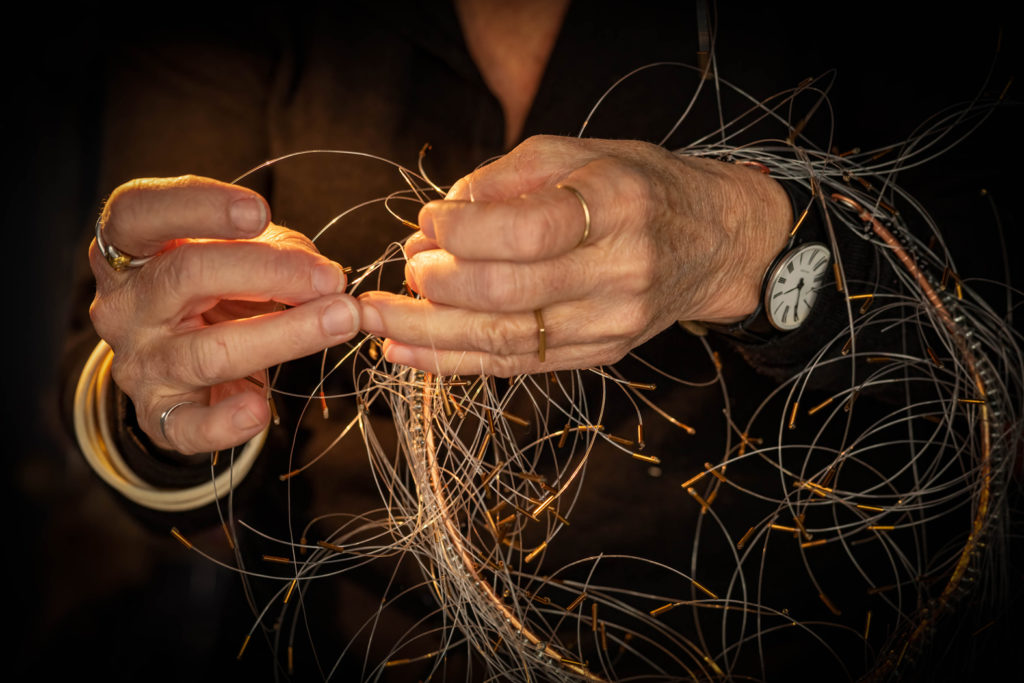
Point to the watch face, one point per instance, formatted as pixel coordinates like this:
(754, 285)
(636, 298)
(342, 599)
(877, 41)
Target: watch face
(794, 283)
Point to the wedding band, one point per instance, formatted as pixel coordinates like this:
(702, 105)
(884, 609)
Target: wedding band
(117, 259)
(586, 211)
(167, 413)
(542, 338)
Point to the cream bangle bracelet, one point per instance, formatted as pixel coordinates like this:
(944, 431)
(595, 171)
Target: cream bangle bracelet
(92, 429)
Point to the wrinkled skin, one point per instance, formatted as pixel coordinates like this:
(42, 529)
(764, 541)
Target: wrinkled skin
(671, 238)
(204, 314)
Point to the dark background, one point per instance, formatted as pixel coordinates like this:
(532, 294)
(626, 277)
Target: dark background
(90, 590)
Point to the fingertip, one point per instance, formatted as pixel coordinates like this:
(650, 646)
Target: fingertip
(399, 354)
(372, 321)
(341, 318)
(328, 278)
(426, 221)
(250, 215)
(418, 242)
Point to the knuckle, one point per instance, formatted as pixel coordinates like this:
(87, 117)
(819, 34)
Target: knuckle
(124, 370)
(493, 335)
(209, 357)
(187, 180)
(632, 274)
(124, 206)
(533, 238)
(629, 323)
(126, 192)
(500, 286)
(148, 417)
(633, 186)
(179, 269)
(100, 315)
(532, 143)
(503, 366)
(611, 354)
(541, 141)
(97, 263)
(185, 448)
(529, 151)
(107, 313)
(288, 239)
(290, 266)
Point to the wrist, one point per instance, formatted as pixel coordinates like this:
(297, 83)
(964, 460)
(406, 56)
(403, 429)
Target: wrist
(757, 216)
(789, 286)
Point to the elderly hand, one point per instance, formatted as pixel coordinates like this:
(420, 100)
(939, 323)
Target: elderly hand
(202, 315)
(671, 238)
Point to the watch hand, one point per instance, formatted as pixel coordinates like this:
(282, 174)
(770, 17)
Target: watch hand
(797, 286)
(796, 304)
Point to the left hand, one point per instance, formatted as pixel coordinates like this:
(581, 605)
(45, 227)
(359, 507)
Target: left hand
(672, 238)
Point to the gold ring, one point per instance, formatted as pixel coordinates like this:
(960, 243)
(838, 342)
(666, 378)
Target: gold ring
(586, 211)
(542, 337)
(117, 259)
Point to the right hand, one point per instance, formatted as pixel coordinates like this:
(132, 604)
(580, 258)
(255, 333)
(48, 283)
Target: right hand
(195, 321)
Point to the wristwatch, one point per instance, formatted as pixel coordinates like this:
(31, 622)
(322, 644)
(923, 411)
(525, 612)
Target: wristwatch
(789, 288)
(791, 284)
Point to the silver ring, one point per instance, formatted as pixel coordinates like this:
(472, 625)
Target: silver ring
(167, 413)
(117, 259)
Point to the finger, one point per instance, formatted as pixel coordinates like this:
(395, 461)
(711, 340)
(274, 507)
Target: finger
(504, 286)
(194, 428)
(238, 348)
(539, 225)
(417, 322)
(143, 215)
(418, 242)
(192, 277)
(447, 363)
(422, 323)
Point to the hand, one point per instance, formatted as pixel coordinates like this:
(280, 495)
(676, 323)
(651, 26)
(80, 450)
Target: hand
(202, 315)
(672, 238)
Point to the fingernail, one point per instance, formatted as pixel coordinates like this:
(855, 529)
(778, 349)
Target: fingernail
(426, 223)
(372, 322)
(244, 419)
(340, 318)
(249, 215)
(328, 279)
